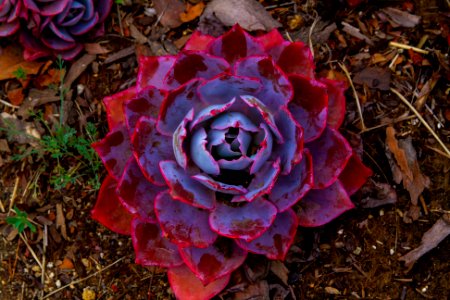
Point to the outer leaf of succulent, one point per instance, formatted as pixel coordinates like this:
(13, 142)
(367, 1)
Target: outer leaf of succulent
(222, 150)
(57, 27)
(10, 12)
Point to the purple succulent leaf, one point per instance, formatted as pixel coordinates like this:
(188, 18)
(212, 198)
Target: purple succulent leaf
(176, 105)
(270, 40)
(319, 207)
(218, 186)
(243, 140)
(187, 286)
(115, 107)
(225, 87)
(83, 27)
(247, 221)
(150, 147)
(199, 41)
(294, 58)
(137, 193)
(210, 112)
(67, 19)
(195, 64)
(178, 139)
(145, 103)
(354, 175)
(330, 153)
(108, 209)
(290, 152)
(200, 155)
(182, 223)
(89, 12)
(51, 9)
(290, 188)
(336, 102)
(103, 9)
(114, 150)
(7, 29)
(235, 164)
(235, 44)
(216, 137)
(277, 91)
(54, 42)
(309, 106)
(217, 260)
(266, 114)
(262, 183)
(61, 32)
(182, 187)
(233, 120)
(224, 150)
(152, 71)
(276, 241)
(264, 141)
(151, 248)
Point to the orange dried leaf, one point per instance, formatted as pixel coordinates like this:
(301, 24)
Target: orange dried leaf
(399, 154)
(192, 12)
(15, 96)
(11, 60)
(66, 264)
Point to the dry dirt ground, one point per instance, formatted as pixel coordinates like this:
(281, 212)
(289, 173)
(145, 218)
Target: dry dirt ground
(357, 256)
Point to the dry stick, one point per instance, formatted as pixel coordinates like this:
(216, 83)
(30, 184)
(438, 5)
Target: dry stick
(31, 251)
(355, 94)
(408, 47)
(8, 104)
(14, 194)
(310, 44)
(83, 279)
(434, 134)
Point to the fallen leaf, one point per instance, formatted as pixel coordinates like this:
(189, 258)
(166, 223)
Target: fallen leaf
(402, 18)
(382, 194)
(374, 78)
(406, 159)
(280, 270)
(51, 77)
(169, 12)
(15, 96)
(18, 130)
(259, 290)
(192, 12)
(11, 60)
(332, 291)
(250, 14)
(66, 264)
(95, 48)
(77, 68)
(60, 221)
(430, 240)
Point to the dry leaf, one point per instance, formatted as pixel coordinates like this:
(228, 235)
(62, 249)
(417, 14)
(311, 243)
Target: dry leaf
(406, 159)
(401, 18)
(60, 221)
(430, 240)
(95, 48)
(15, 96)
(52, 77)
(381, 194)
(169, 12)
(374, 78)
(279, 269)
(66, 264)
(11, 60)
(192, 12)
(332, 291)
(259, 290)
(250, 14)
(18, 130)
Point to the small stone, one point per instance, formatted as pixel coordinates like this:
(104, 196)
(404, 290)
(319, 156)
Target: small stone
(58, 283)
(357, 251)
(88, 294)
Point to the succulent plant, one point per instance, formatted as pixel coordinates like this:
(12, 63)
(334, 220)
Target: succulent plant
(221, 150)
(58, 27)
(10, 12)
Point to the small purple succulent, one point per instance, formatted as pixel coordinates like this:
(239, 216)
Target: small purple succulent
(10, 12)
(59, 27)
(222, 150)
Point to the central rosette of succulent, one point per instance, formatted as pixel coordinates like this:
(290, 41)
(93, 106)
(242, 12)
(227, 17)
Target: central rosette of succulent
(231, 144)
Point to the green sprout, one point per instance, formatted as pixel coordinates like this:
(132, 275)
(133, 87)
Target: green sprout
(20, 73)
(20, 221)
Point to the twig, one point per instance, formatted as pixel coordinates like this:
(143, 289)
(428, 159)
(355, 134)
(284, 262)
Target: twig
(310, 35)
(83, 279)
(434, 134)
(8, 104)
(14, 194)
(31, 251)
(408, 47)
(355, 94)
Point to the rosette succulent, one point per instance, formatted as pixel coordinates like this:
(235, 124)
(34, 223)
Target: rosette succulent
(222, 150)
(10, 11)
(58, 27)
